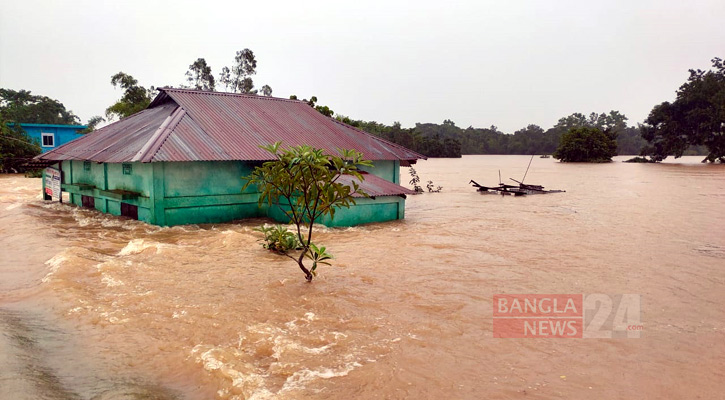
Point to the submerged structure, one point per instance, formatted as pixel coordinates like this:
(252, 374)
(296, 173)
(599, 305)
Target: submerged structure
(522, 189)
(182, 160)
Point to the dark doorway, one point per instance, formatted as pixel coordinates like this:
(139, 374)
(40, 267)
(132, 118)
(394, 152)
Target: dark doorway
(129, 210)
(88, 201)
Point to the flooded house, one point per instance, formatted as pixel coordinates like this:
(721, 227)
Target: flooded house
(183, 160)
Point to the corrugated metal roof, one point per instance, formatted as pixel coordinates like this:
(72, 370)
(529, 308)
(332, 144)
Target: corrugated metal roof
(375, 186)
(117, 142)
(190, 125)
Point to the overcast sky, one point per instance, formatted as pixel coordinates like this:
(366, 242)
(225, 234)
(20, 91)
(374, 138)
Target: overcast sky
(481, 63)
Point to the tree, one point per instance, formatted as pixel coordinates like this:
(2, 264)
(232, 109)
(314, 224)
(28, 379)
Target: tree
(266, 90)
(15, 146)
(199, 75)
(92, 123)
(23, 107)
(312, 102)
(135, 97)
(238, 78)
(696, 117)
(586, 145)
(629, 141)
(303, 183)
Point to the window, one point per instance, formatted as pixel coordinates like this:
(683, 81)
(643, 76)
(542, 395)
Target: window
(126, 169)
(86, 165)
(48, 139)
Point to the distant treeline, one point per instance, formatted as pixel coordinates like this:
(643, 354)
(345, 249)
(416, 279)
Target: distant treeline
(449, 140)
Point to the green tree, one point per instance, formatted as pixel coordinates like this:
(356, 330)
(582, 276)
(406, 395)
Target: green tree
(135, 97)
(199, 75)
(629, 141)
(23, 107)
(303, 183)
(92, 123)
(15, 146)
(312, 102)
(266, 90)
(696, 117)
(239, 77)
(586, 145)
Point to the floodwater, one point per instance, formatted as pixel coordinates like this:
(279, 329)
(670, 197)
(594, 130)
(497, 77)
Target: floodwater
(98, 307)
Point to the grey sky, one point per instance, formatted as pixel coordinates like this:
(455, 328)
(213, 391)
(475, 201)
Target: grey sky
(480, 63)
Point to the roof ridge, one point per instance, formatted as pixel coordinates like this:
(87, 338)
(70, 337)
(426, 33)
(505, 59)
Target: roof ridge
(157, 140)
(244, 95)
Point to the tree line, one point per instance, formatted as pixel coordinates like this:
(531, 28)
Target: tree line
(695, 118)
(449, 140)
(693, 124)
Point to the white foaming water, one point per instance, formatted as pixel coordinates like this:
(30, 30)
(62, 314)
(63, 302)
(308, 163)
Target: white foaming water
(136, 246)
(299, 378)
(293, 346)
(110, 281)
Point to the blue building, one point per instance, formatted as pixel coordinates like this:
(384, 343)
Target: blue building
(52, 136)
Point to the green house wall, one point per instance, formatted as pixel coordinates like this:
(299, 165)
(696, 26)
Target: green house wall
(180, 193)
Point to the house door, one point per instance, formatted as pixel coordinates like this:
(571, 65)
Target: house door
(88, 201)
(129, 210)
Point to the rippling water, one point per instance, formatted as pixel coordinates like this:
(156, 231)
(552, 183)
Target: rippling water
(94, 306)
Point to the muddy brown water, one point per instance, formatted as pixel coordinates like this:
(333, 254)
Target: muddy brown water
(97, 307)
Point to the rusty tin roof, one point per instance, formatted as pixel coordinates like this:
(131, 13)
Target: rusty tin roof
(191, 125)
(375, 186)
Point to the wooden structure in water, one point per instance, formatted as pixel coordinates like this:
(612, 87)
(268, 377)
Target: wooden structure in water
(521, 189)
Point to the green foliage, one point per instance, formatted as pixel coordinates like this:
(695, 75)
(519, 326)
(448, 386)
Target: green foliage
(415, 180)
(23, 107)
(696, 117)
(15, 147)
(318, 256)
(431, 189)
(134, 99)
(449, 140)
(278, 239)
(586, 145)
(34, 173)
(433, 145)
(303, 183)
(324, 110)
(238, 78)
(639, 160)
(92, 123)
(199, 76)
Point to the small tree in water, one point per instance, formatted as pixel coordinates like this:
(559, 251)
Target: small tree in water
(303, 183)
(416, 180)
